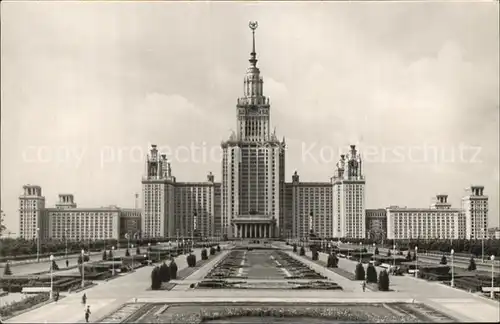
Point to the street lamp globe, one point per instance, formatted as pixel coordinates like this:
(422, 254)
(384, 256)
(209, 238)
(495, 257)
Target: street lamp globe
(374, 244)
(83, 252)
(492, 258)
(51, 258)
(112, 248)
(452, 251)
(416, 248)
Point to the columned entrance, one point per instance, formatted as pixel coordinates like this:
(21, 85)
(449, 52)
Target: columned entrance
(255, 230)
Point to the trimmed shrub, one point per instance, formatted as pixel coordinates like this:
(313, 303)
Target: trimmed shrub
(110, 255)
(472, 265)
(314, 254)
(127, 252)
(55, 267)
(383, 281)
(138, 250)
(389, 253)
(332, 261)
(104, 255)
(212, 251)
(408, 256)
(443, 260)
(191, 260)
(173, 270)
(165, 272)
(302, 251)
(414, 257)
(204, 254)
(376, 252)
(295, 248)
(7, 271)
(371, 274)
(155, 279)
(218, 248)
(359, 273)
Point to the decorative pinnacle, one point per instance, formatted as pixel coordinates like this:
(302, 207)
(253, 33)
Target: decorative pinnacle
(253, 26)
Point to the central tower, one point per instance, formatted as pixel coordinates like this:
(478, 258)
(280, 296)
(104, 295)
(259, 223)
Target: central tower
(252, 164)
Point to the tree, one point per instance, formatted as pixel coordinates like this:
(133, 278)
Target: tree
(173, 270)
(155, 279)
(302, 251)
(204, 254)
(359, 273)
(408, 256)
(332, 261)
(295, 248)
(127, 252)
(472, 265)
(389, 253)
(218, 248)
(212, 251)
(138, 251)
(376, 251)
(2, 226)
(104, 255)
(110, 255)
(383, 281)
(7, 271)
(191, 260)
(371, 273)
(165, 272)
(443, 260)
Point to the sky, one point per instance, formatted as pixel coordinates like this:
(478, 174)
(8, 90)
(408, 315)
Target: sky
(87, 87)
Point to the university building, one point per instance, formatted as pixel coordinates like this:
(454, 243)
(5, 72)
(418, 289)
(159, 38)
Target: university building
(252, 199)
(67, 221)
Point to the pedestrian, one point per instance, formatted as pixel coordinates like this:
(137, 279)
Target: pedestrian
(87, 314)
(84, 299)
(364, 286)
(67, 263)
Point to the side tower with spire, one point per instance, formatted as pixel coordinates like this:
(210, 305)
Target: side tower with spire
(252, 164)
(349, 197)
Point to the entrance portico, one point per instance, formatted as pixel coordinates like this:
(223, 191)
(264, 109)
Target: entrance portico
(253, 227)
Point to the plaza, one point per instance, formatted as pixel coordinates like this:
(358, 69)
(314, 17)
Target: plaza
(128, 298)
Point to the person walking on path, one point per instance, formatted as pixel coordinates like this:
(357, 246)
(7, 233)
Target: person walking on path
(84, 299)
(67, 263)
(364, 286)
(87, 314)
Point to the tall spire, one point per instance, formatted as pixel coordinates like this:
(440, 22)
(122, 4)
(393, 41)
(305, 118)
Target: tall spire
(253, 56)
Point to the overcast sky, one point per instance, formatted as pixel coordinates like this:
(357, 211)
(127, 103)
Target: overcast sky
(88, 86)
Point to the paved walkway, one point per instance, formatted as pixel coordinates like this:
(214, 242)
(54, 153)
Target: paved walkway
(103, 298)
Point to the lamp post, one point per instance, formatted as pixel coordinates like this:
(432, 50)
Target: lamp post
(51, 258)
(113, 261)
(452, 252)
(361, 251)
(416, 261)
(482, 245)
(83, 268)
(149, 249)
(393, 256)
(38, 244)
(492, 292)
(132, 254)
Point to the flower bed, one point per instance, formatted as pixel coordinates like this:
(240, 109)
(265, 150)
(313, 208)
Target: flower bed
(16, 284)
(27, 303)
(342, 314)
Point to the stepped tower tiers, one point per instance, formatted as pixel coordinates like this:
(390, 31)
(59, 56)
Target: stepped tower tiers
(252, 164)
(349, 196)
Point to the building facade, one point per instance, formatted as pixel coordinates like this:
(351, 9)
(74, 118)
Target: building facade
(31, 207)
(439, 221)
(253, 200)
(376, 224)
(349, 197)
(67, 221)
(494, 233)
(475, 212)
(130, 222)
